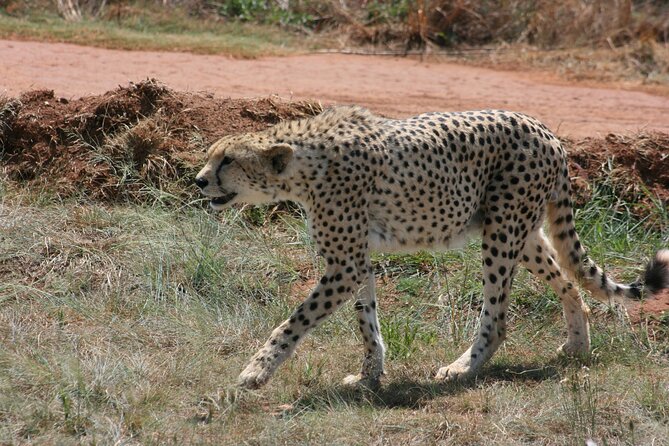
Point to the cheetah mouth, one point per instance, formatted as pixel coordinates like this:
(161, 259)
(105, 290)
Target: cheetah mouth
(223, 199)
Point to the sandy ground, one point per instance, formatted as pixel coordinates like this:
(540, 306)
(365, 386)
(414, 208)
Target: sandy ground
(394, 86)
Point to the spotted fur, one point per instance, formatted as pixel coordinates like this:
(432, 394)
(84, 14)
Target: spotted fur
(427, 182)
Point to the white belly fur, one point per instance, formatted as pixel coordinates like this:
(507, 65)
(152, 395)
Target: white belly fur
(390, 242)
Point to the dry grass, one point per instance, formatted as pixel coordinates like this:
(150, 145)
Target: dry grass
(129, 324)
(617, 41)
(570, 23)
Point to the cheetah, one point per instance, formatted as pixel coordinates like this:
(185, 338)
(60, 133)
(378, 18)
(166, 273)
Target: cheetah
(428, 182)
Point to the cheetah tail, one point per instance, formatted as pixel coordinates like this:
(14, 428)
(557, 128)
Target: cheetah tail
(574, 260)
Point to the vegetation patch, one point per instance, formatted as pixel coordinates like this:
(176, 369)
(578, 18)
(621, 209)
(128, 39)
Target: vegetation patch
(142, 25)
(410, 22)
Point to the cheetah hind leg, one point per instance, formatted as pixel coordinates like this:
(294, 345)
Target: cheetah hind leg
(492, 331)
(540, 258)
(500, 249)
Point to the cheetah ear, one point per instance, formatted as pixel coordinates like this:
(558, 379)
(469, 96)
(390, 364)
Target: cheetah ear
(278, 157)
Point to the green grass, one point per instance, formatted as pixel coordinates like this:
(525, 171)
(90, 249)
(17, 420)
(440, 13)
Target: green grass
(130, 324)
(160, 31)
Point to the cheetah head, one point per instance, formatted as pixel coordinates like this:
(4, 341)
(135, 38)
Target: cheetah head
(244, 169)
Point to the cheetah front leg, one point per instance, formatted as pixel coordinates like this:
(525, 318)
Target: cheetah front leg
(335, 287)
(372, 365)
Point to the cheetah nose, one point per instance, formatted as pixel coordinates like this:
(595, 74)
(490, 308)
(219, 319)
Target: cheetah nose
(201, 182)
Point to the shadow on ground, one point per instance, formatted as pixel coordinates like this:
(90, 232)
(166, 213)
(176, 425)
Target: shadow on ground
(413, 394)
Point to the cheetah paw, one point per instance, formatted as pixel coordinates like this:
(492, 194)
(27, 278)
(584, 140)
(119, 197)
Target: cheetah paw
(453, 372)
(362, 382)
(254, 376)
(574, 349)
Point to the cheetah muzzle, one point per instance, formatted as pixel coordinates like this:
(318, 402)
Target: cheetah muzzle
(424, 183)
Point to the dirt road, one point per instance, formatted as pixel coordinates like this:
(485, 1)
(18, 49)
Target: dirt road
(394, 86)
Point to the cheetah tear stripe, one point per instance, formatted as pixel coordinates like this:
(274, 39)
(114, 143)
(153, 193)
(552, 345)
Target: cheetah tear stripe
(423, 183)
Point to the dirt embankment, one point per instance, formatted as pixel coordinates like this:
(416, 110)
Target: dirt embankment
(145, 137)
(636, 165)
(130, 143)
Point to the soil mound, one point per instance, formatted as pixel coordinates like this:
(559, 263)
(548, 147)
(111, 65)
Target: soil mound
(636, 166)
(144, 141)
(135, 142)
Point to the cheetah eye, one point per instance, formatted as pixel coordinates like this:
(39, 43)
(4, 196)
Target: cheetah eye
(226, 160)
